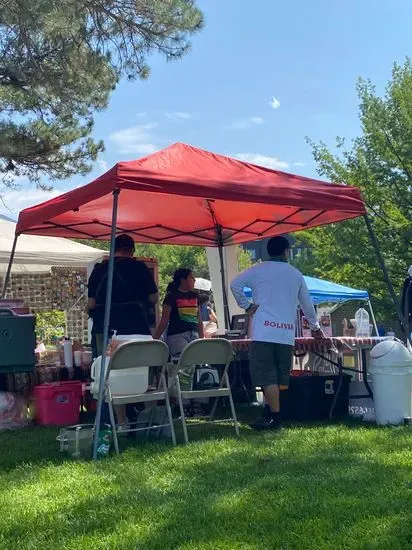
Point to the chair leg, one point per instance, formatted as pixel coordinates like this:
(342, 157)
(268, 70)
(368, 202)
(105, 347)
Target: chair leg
(113, 423)
(214, 407)
(182, 411)
(150, 421)
(232, 407)
(169, 411)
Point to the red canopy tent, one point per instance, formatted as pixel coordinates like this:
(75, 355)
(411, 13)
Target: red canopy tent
(185, 195)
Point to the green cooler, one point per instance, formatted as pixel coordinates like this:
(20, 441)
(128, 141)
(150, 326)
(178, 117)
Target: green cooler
(17, 342)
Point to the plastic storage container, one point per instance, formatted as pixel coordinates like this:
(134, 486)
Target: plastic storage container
(362, 323)
(17, 342)
(391, 371)
(58, 404)
(77, 440)
(310, 397)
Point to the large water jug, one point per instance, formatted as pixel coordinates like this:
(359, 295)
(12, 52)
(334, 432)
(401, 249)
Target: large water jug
(362, 323)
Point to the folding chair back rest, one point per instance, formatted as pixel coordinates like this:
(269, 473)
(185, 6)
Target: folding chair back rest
(132, 355)
(212, 352)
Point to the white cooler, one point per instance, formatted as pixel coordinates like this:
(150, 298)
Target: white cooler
(122, 382)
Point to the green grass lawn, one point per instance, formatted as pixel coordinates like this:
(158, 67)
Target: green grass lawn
(309, 487)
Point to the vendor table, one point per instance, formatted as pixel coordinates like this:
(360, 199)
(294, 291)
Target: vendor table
(330, 350)
(23, 382)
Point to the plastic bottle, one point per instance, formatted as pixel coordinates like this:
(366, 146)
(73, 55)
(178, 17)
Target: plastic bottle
(104, 441)
(362, 323)
(68, 353)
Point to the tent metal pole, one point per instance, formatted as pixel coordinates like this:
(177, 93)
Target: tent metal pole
(373, 318)
(220, 244)
(382, 264)
(110, 269)
(8, 273)
(224, 288)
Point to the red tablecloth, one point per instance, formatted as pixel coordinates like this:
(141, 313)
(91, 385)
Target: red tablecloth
(305, 345)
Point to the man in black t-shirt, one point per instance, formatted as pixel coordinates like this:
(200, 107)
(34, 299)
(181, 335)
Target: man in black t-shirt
(134, 291)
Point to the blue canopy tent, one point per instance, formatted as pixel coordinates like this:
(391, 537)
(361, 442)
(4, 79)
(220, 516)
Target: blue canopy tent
(326, 292)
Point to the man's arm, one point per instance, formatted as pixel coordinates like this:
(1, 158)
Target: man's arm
(91, 304)
(161, 327)
(237, 287)
(153, 298)
(200, 324)
(91, 289)
(308, 309)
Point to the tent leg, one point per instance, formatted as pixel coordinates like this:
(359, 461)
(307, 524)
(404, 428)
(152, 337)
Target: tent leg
(224, 289)
(8, 273)
(375, 326)
(382, 264)
(102, 381)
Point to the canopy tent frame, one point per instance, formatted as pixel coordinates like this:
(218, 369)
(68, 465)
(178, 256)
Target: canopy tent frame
(322, 296)
(250, 185)
(107, 311)
(8, 272)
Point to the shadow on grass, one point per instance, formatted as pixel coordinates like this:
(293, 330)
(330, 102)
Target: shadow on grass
(323, 486)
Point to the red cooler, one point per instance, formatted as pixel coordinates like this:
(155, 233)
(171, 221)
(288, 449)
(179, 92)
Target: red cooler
(58, 404)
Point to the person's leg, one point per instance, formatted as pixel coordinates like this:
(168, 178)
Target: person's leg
(284, 361)
(272, 397)
(120, 411)
(177, 343)
(99, 343)
(264, 374)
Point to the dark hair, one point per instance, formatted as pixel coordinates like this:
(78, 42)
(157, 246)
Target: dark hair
(178, 275)
(277, 245)
(124, 242)
(204, 298)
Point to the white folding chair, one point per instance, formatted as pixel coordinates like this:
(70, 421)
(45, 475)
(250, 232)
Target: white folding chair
(205, 352)
(139, 356)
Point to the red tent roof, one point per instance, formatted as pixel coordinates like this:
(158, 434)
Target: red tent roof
(181, 194)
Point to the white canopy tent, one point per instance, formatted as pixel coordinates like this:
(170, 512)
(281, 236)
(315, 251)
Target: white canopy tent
(38, 254)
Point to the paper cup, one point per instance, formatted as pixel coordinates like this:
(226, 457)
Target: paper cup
(78, 358)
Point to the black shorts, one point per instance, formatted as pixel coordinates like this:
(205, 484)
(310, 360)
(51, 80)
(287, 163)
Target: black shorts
(270, 363)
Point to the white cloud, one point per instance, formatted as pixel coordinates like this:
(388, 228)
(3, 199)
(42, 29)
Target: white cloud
(136, 140)
(141, 115)
(274, 103)
(263, 160)
(177, 115)
(13, 201)
(299, 164)
(243, 123)
(103, 165)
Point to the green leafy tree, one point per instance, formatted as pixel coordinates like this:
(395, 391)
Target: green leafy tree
(379, 162)
(244, 259)
(50, 324)
(60, 61)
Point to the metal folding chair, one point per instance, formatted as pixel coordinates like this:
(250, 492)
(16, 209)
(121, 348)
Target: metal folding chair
(200, 353)
(139, 356)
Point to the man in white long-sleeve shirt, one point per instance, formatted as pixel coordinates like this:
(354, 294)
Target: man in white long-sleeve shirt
(277, 290)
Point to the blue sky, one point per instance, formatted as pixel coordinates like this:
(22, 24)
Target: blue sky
(260, 77)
